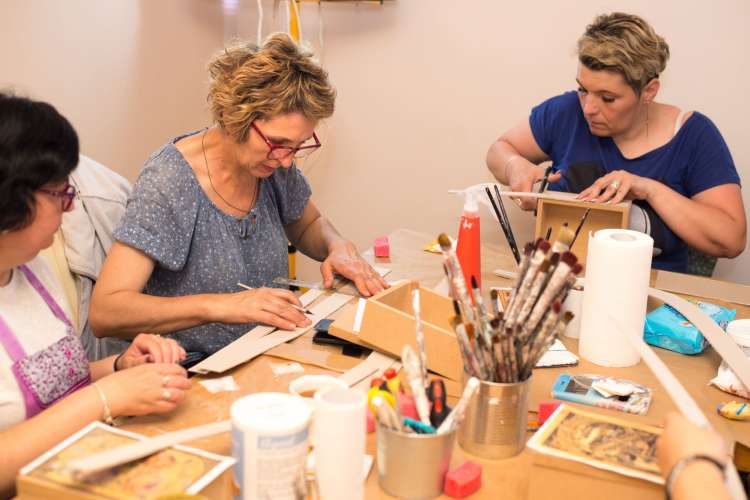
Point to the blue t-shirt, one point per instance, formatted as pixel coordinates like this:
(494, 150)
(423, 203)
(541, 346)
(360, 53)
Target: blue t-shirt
(200, 249)
(696, 159)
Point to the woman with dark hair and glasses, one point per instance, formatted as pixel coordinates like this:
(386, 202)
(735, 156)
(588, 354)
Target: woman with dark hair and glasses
(216, 207)
(611, 140)
(48, 389)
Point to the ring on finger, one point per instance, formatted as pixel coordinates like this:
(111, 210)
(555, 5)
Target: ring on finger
(166, 395)
(615, 185)
(165, 381)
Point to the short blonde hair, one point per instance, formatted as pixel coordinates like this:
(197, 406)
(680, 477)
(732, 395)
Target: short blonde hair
(250, 83)
(625, 44)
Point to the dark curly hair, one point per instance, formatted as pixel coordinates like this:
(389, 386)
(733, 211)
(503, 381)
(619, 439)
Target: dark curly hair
(38, 146)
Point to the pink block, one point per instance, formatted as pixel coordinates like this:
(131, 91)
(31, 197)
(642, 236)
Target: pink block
(381, 246)
(547, 408)
(464, 480)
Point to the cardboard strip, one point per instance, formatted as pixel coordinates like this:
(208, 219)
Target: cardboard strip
(322, 359)
(374, 365)
(111, 458)
(675, 389)
(249, 346)
(719, 340)
(700, 286)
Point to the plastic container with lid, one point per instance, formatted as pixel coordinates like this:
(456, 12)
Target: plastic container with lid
(269, 440)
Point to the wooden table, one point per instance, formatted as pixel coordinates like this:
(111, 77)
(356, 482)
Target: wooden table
(527, 476)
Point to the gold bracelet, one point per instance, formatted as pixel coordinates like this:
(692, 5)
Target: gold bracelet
(107, 414)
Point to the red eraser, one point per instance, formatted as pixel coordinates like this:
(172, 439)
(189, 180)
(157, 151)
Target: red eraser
(370, 425)
(382, 249)
(407, 406)
(463, 481)
(547, 408)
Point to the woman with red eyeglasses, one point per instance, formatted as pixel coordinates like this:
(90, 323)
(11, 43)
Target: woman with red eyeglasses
(216, 207)
(48, 389)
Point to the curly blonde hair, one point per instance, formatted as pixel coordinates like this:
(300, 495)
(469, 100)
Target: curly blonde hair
(625, 44)
(250, 83)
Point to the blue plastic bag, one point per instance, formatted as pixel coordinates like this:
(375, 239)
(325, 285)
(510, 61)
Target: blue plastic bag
(667, 328)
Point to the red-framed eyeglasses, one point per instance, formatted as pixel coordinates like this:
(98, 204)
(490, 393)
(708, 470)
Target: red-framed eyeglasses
(279, 152)
(67, 194)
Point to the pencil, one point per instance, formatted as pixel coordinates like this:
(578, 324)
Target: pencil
(300, 309)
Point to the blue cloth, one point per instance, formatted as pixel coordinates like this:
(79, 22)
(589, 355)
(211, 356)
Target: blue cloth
(200, 249)
(696, 159)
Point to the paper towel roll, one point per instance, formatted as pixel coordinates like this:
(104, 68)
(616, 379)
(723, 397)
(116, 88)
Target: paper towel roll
(340, 443)
(618, 268)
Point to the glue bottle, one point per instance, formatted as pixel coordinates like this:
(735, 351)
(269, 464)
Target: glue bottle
(468, 248)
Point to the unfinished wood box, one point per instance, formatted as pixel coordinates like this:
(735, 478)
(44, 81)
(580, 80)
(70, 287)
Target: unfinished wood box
(388, 324)
(559, 208)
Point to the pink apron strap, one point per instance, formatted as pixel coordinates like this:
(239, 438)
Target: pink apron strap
(10, 342)
(48, 299)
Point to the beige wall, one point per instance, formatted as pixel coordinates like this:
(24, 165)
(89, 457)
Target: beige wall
(424, 86)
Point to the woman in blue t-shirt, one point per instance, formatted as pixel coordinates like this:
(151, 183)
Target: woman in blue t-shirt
(611, 141)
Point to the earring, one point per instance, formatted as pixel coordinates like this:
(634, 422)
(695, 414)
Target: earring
(648, 104)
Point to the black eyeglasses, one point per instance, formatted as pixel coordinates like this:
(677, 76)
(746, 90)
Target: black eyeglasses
(279, 152)
(67, 194)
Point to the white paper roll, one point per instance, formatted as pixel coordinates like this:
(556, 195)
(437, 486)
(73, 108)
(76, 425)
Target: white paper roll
(618, 268)
(340, 443)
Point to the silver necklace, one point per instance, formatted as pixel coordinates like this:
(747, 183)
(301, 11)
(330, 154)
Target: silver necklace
(211, 182)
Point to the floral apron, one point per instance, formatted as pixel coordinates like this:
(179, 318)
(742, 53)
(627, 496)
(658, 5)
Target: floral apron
(52, 373)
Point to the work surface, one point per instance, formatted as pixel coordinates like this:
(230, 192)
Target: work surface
(527, 476)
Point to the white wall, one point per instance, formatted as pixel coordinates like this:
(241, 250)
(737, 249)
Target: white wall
(424, 86)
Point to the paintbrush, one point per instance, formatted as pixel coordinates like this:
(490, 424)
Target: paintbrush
(580, 225)
(295, 306)
(495, 304)
(512, 241)
(559, 328)
(539, 341)
(556, 283)
(455, 416)
(420, 334)
(485, 330)
(522, 269)
(545, 180)
(523, 290)
(503, 225)
(457, 277)
(471, 365)
(410, 362)
(478, 354)
(565, 236)
(536, 288)
(543, 185)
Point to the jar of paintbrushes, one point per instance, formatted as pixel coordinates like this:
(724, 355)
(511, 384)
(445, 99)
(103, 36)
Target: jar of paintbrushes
(501, 346)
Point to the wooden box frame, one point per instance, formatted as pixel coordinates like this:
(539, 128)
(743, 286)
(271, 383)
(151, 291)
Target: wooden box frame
(388, 324)
(563, 207)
